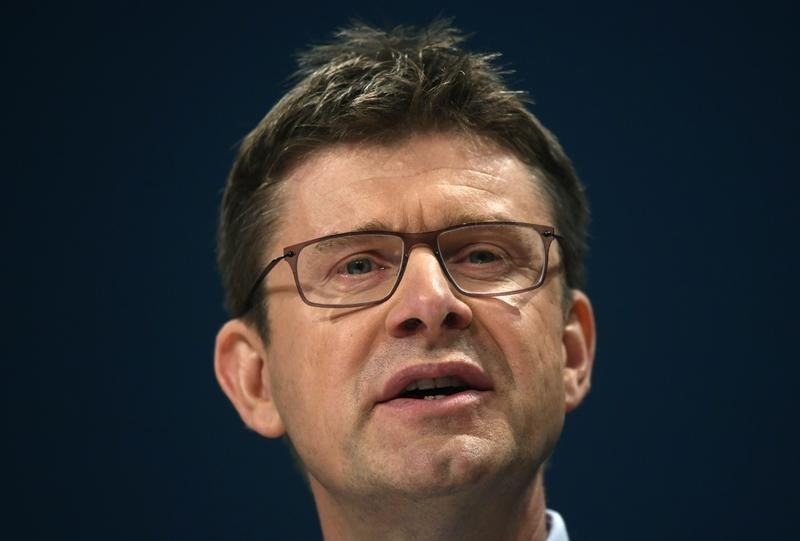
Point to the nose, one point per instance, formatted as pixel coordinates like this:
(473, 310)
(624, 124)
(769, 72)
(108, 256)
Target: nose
(425, 303)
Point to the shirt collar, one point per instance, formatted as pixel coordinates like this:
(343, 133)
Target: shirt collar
(557, 530)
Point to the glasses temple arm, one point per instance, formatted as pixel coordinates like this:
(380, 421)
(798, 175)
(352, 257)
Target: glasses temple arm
(553, 234)
(249, 300)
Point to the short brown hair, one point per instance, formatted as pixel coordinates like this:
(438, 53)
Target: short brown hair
(380, 86)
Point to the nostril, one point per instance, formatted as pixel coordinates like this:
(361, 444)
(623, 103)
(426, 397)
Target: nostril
(412, 324)
(451, 320)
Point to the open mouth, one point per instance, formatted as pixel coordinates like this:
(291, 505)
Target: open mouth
(434, 388)
(456, 383)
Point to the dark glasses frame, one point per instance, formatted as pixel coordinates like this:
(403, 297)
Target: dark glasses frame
(410, 240)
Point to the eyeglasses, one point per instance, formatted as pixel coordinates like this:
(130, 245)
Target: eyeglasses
(348, 270)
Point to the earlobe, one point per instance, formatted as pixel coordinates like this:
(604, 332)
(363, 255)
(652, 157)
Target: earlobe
(241, 370)
(579, 348)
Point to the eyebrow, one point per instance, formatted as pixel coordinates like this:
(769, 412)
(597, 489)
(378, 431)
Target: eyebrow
(450, 218)
(372, 225)
(459, 216)
(341, 241)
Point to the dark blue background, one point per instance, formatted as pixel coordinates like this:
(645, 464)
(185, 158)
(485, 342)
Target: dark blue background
(120, 124)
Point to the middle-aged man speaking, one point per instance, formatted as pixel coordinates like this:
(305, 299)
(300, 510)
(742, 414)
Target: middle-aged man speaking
(401, 244)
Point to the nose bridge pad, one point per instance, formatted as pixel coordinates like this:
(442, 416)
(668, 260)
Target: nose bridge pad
(430, 283)
(436, 256)
(429, 302)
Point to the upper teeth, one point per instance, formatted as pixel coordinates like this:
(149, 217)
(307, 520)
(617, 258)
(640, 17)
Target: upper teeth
(436, 383)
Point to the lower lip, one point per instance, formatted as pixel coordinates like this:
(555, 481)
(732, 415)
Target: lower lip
(449, 405)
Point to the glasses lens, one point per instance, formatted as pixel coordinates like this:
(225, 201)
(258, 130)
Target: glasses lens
(349, 269)
(493, 258)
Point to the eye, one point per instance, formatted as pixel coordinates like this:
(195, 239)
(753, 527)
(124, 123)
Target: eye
(359, 266)
(481, 257)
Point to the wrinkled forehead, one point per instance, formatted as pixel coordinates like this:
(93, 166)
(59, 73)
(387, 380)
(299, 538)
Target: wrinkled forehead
(423, 183)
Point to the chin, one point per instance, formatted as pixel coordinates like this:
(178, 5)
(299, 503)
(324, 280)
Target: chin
(447, 467)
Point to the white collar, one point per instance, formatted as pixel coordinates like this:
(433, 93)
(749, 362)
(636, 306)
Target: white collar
(557, 530)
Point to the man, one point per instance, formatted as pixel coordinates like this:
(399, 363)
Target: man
(401, 244)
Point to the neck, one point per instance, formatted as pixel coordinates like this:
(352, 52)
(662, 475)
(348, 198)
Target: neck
(501, 510)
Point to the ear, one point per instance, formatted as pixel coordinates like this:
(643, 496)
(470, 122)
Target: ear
(579, 346)
(240, 365)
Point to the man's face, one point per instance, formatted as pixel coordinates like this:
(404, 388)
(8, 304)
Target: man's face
(329, 370)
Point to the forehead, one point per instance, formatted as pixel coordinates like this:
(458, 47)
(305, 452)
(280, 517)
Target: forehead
(422, 183)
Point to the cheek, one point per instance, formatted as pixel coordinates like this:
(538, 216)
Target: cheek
(316, 397)
(535, 361)
(527, 328)
(537, 405)
(529, 336)
(316, 358)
